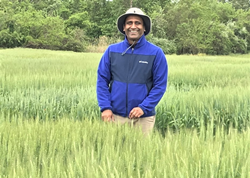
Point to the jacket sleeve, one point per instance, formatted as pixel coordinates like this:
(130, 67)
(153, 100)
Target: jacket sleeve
(103, 81)
(160, 77)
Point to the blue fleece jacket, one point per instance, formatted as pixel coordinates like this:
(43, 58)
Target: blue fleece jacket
(131, 77)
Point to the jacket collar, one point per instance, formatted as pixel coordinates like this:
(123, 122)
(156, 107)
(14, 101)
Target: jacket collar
(139, 43)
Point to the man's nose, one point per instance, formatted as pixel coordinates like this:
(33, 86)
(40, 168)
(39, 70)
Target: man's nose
(133, 25)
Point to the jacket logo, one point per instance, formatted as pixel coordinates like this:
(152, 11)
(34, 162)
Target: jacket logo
(144, 62)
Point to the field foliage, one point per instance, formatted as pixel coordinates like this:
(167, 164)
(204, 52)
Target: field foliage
(50, 122)
(50, 85)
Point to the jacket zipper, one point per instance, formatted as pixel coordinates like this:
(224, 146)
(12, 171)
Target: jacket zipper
(132, 49)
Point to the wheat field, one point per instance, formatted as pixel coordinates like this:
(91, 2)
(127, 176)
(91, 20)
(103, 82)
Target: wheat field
(50, 122)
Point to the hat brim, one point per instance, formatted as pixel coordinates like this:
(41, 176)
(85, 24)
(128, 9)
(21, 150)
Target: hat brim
(145, 18)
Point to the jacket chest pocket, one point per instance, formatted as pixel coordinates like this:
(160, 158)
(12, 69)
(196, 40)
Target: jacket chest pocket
(141, 70)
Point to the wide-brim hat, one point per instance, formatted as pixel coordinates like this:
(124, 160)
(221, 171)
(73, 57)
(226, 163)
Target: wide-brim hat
(134, 11)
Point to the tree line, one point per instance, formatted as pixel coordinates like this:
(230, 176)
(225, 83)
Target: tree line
(216, 27)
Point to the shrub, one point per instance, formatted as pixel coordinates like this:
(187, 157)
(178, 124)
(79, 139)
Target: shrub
(168, 46)
(10, 40)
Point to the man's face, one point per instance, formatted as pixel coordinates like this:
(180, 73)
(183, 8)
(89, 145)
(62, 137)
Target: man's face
(133, 28)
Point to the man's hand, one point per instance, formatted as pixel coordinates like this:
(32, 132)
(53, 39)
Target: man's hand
(136, 113)
(107, 115)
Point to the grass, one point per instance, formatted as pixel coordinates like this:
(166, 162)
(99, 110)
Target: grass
(204, 87)
(88, 148)
(50, 121)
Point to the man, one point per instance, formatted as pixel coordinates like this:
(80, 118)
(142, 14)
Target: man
(132, 74)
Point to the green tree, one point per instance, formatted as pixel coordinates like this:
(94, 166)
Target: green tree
(103, 15)
(194, 26)
(225, 12)
(192, 36)
(80, 20)
(159, 23)
(242, 29)
(239, 4)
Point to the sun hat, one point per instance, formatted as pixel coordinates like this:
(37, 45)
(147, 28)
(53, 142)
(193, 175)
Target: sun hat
(134, 11)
